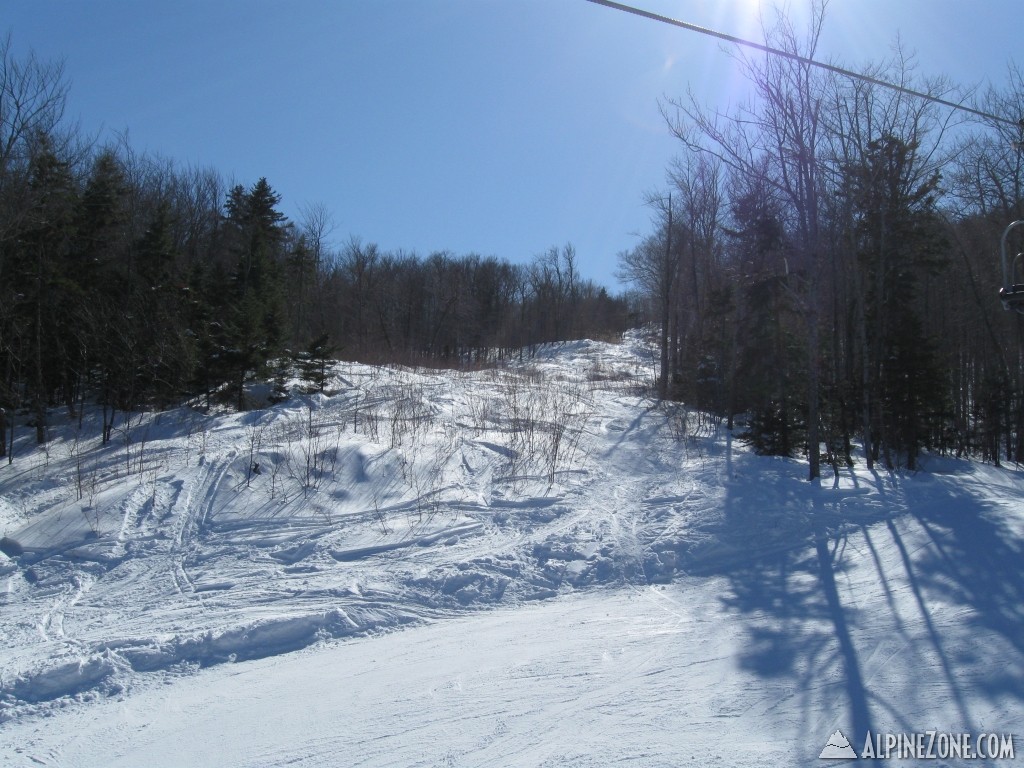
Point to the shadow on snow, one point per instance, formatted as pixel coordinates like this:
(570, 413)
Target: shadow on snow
(940, 565)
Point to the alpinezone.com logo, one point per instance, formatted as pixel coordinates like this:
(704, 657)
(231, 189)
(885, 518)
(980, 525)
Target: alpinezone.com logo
(926, 745)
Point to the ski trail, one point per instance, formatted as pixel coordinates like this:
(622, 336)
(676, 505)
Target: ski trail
(51, 626)
(623, 519)
(131, 513)
(190, 515)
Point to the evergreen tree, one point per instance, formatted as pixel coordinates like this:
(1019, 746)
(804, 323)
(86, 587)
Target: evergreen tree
(900, 241)
(251, 328)
(279, 375)
(168, 348)
(51, 294)
(106, 275)
(314, 362)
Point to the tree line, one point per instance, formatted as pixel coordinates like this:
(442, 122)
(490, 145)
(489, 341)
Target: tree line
(825, 261)
(128, 281)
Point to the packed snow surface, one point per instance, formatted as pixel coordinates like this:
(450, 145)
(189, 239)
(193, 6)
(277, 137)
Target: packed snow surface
(529, 565)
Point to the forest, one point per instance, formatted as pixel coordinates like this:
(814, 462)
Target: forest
(129, 282)
(822, 270)
(825, 260)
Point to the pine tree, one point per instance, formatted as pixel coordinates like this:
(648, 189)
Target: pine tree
(50, 291)
(168, 349)
(900, 241)
(314, 362)
(251, 327)
(106, 275)
(280, 373)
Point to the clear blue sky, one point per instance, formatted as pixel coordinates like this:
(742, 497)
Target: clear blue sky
(498, 127)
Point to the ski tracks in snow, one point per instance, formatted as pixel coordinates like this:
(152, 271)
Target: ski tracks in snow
(190, 514)
(623, 519)
(208, 568)
(51, 626)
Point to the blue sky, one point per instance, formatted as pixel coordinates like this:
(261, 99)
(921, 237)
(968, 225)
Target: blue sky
(498, 127)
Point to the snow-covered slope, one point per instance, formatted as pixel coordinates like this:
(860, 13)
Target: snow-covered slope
(525, 566)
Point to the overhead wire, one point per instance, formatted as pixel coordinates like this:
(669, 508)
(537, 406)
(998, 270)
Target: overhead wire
(805, 60)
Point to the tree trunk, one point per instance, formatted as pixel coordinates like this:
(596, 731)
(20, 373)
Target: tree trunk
(865, 372)
(814, 377)
(666, 301)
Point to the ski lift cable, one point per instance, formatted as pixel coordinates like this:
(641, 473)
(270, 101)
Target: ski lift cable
(1012, 292)
(804, 60)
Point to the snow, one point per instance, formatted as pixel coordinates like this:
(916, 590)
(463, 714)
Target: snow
(526, 566)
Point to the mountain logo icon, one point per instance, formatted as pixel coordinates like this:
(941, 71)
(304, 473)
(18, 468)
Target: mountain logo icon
(838, 748)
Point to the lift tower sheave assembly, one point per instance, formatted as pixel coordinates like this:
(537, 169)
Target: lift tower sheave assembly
(1012, 292)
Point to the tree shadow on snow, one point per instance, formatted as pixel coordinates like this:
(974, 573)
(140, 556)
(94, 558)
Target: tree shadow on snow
(975, 561)
(919, 545)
